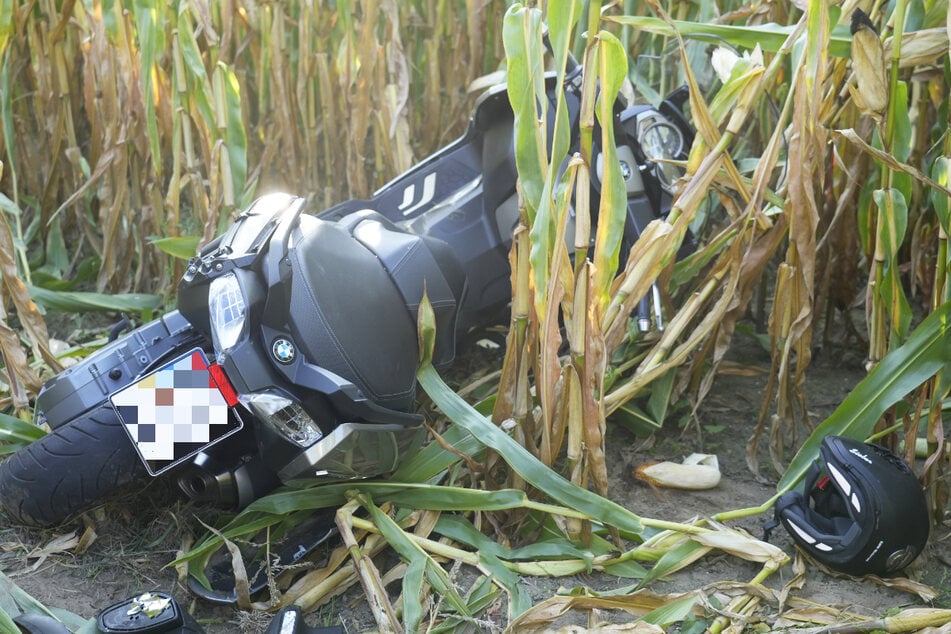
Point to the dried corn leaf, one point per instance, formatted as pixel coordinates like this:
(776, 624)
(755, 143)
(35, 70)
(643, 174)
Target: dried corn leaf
(889, 160)
(920, 48)
(638, 627)
(922, 590)
(242, 584)
(640, 604)
(59, 544)
(30, 319)
(741, 544)
(369, 574)
(910, 620)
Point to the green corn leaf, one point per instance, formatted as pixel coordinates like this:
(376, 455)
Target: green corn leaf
(411, 552)
(524, 463)
(15, 601)
(6, 24)
(83, 302)
(408, 494)
(675, 559)
(519, 599)
(518, 458)
(270, 509)
(902, 132)
(635, 419)
(236, 138)
(902, 138)
(182, 247)
(200, 84)
(563, 16)
(939, 173)
(648, 420)
(12, 429)
(413, 592)
(612, 213)
(673, 612)
(7, 88)
(150, 28)
(57, 256)
(893, 215)
(440, 498)
(6, 623)
(491, 554)
(770, 37)
(482, 595)
(521, 35)
(461, 530)
(433, 459)
(926, 351)
(9, 206)
(243, 525)
(288, 500)
(628, 569)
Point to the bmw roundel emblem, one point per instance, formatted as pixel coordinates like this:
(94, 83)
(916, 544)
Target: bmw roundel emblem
(283, 350)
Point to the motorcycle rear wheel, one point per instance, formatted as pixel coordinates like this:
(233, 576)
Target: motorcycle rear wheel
(69, 470)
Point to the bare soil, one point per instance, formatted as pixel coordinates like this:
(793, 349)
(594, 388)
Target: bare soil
(138, 534)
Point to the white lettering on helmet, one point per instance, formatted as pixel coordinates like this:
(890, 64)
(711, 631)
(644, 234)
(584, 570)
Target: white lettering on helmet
(861, 455)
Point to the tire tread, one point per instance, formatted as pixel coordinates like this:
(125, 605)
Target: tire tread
(69, 470)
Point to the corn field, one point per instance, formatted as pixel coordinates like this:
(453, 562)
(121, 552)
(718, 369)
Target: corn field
(817, 188)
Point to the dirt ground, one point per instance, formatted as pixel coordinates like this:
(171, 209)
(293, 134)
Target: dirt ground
(138, 535)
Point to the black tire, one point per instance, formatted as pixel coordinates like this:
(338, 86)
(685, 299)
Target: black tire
(69, 470)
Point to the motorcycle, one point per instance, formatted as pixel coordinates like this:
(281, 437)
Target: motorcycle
(293, 352)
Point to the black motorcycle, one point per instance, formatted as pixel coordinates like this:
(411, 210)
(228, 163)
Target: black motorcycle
(293, 352)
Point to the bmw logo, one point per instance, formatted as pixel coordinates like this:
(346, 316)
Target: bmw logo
(283, 350)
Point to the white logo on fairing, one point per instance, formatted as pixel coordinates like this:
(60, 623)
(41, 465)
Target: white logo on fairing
(861, 455)
(409, 194)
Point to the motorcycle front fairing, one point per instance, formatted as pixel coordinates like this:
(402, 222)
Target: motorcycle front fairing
(185, 406)
(320, 414)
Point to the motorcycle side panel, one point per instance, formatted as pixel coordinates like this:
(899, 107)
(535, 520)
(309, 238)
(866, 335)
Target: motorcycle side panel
(89, 383)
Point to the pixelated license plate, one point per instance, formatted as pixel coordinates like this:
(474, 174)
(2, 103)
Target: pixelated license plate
(176, 411)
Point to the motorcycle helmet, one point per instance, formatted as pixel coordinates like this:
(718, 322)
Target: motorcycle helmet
(863, 511)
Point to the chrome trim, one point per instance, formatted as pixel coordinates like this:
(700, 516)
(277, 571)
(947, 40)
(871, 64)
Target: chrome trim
(356, 450)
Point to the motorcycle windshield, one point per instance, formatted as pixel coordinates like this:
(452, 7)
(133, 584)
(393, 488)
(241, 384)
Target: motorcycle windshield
(252, 228)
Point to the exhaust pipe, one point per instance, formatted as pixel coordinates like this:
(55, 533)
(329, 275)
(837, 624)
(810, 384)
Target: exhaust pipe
(206, 480)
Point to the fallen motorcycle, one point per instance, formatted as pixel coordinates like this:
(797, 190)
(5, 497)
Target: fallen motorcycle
(293, 352)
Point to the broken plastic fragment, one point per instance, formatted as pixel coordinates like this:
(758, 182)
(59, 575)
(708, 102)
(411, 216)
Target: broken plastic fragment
(149, 604)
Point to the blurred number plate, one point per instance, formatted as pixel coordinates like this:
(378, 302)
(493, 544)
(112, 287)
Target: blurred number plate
(176, 411)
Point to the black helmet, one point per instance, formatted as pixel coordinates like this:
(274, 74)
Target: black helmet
(863, 512)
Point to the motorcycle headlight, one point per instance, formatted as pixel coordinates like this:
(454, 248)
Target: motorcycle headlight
(227, 310)
(663, 142)
(284, 415)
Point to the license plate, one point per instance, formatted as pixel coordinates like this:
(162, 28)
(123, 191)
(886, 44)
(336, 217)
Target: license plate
(177, 411)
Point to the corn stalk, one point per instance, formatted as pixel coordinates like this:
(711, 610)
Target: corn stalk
(131, 132)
